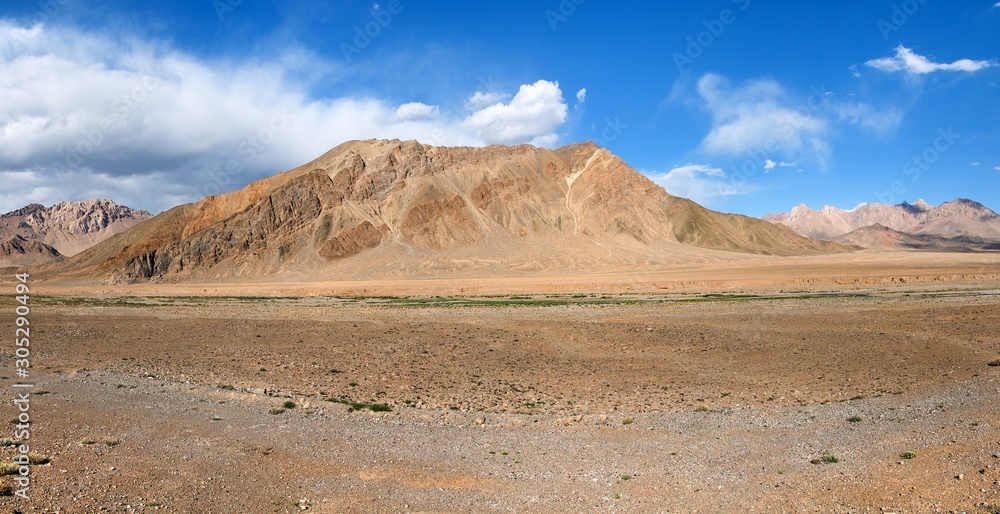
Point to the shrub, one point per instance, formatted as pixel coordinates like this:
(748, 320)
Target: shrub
(908, 455)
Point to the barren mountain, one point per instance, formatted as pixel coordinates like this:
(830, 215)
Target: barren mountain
(953, 219)
(17, 251)
(391, 208)
(66, 227)
(884, 238)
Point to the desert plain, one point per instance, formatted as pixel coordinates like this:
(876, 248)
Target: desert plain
(848, 383)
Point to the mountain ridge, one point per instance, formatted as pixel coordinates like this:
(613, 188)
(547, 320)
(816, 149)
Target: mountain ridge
(390, 207)
(67, 228)
(957, 218)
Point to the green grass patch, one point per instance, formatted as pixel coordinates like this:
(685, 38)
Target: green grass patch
(374, 407)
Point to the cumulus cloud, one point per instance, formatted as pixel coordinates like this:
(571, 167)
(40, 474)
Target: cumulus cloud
(906, 60)
(757, 116)
(581, 95)
(699, 182)
(86, 115)
(481, 99)
(533, 115)
(416, 111)
(761, 120)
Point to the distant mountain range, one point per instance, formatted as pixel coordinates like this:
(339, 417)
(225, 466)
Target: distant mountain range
(37, 234)
(959, 225)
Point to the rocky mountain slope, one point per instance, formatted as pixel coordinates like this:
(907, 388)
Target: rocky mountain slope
(16, 251)
(392, 208)
(36, 234)
(884, 238)
(956, 219)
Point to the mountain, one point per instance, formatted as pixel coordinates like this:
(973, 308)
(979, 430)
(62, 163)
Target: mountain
(16, 251)
(884, 238)
(67, 228)
(392, 208)
(958, 218)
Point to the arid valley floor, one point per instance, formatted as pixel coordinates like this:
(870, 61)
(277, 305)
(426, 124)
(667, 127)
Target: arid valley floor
(695, 390)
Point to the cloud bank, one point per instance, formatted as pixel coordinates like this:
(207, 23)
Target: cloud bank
(88, 115)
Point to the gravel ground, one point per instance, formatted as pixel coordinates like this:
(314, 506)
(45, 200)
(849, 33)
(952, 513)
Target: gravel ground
(708, 406)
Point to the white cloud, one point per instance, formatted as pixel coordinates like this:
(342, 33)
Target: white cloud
(996, 168)
(908, 61)
(581, 95)
(699, 182)
(996, 5)
(879, 122)
(87, 115)
(481, 99)
(414, 111)
(770, 165)
(534, 113)
(757, 116)
(977, 163)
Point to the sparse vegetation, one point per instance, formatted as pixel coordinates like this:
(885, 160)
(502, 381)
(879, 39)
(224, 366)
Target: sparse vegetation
(6, 441)
(288, 404)
(994, 363)
(627, 421)
(374, 407)
(908, 455)
(37, 458)
(829, 458)
(626, 478)
(854, 419)
(275, 411)
(8, 468)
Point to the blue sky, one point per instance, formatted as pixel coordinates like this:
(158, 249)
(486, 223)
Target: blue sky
(748, 106)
